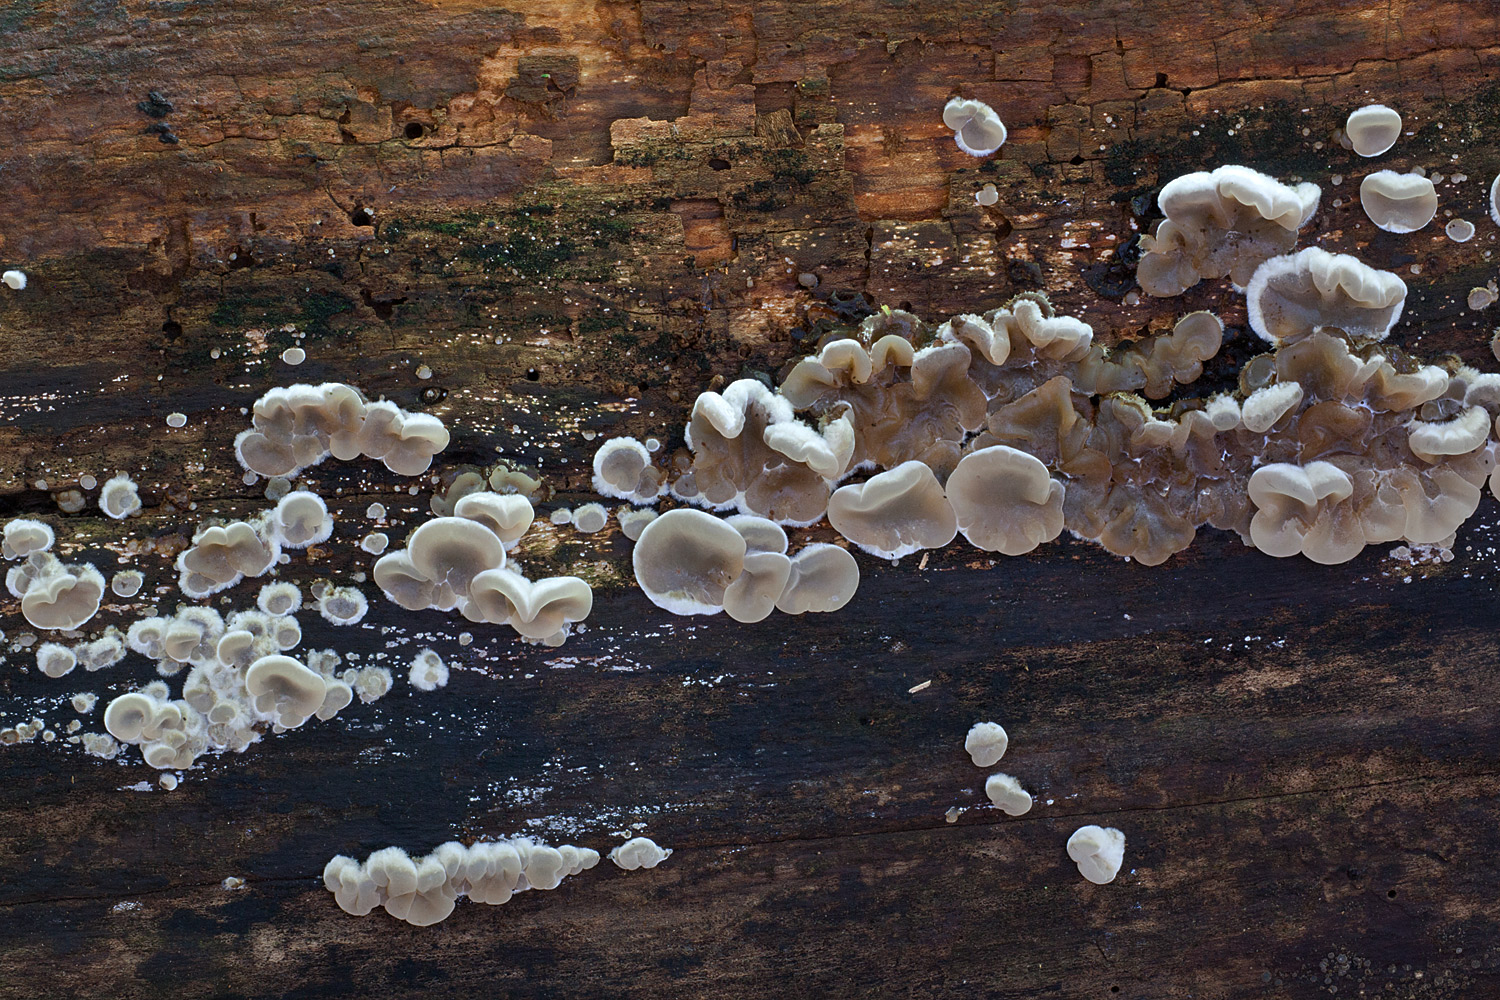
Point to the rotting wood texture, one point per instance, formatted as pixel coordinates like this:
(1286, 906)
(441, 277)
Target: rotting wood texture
(577, 217)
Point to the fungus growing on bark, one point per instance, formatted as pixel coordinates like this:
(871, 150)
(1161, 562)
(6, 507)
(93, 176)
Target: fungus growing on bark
(639, 852)
(589, 518)
(428, 672)
(753, 595)
(222, 556)
(1221, 222)
(422, 891)
(1005, 500)
(301, 519)
(1007, 794)
(1398, 203)
(977, 129)
(1293, 296)
(821, 578)
(622, 469)
(507, 515)
(55, 660)
(284, 688)
(279, 598)
(14, 280)
(127, 583)
(685, 559)
(894, 513)
(343, 606)
(544, 611)
(118, 497)
(1098, 852)
(24, 536)
(986, 743)
(633, 522)
(57, 595)
(1459, 230)
(1373, 129)
(301, 425)
(105, 651)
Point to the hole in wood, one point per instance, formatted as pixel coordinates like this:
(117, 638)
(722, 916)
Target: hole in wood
(414, 130)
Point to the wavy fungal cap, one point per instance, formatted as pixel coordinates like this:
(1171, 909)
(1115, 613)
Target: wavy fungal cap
(685, 559)
(301, 519)
(622, 469)
(1293, 296)
(1398, 203)
(977, 129)
(14, 280)
(894, 513)
(23, 536)
(118, 497)
(55, 660)
(65, 597)
(1373, 129)
(1005, 500)
(422, 891)
(986, 743)
(544, 611)
(1098, 851)
(285, 688)
(1007, 794)
(822, 578)
(507, 515)
(639, 852)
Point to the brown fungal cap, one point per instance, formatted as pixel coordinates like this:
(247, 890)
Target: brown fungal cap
(1203, 209)
(894, 513)
(1373, 129)
(977, 129)
(1293, 296)
(1398, 203)
(685, 559)
(1005, 500)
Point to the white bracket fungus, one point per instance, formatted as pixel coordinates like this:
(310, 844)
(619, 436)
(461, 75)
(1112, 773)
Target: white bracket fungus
(118, 497)
(685, 559)
(1005, 500)
(1398, 203)
(222, 556)
(285, 688)
(1007, 794)
(56, 595)
(1293, 296)
(639, 852)
(14, 280)
(977, 129)
(623, 470)
(986, 743)
(507, 515)
(23, 537)
(422, 891)
(428, 672)
(1098, 852)
(544, 611)
(343, 606)
(589, 518)
(279, 598)
(822, 578)
(55, 660)
(1372, 129)
(633, 522)
(894, 513)
(301, 519)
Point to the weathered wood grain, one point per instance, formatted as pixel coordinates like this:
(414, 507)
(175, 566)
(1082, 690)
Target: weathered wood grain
(1303, 758)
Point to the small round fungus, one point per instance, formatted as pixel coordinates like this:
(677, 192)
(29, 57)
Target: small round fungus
(1398, 203)
(14, 280)
(1006, 793)
(343, 606)
(590, 518)
(685, 559)
(23, 537)
(977, 129)
(639, 852)
(561, 516)
(987, 195)
(894, 513)
(168, 782)
(375, 542)
(633, 522)
(821, 578)
(1480, 297)
(1373, 129)
(428, 671)
(622, 469)
(1459, 230)
(280, 598)
(282, 687)
(84, 703)
(293, 356)
(1005, 500)
(1098, 852)
(118, 497)
(1293, 296)
(986, 743)
(55, 660)
(301, 519)
(176, 419)
(127, 583)
(375, 511)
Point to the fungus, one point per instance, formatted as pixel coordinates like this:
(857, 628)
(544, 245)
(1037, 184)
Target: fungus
(285, 632)
(375, 542)
(1224, 222)
(1268, 404)
(14, 280)
(83, 703)
(371, 683)
(1295, 512)
(639, 852)
(752, 596)
(1006, 793)
(1459, 436)
(544, 611)
(168, 782)
(987, 196)
(1398, 203)
(1480, 297)
(293, 356)
(463, 484)
(343, 606)
(105, 651)
(301, 425)
(284, 688)
(1293, 296)
(118, 497)
(301, 519)
(127, 583)
(428, 671)
(1098, 852)
(821, 578)
(894, 513)
(23, 537)
(633, 522)
(1459, 230)
(622, 469)
(280, 598)
(64, 598)
(507, 515)
(221, 556)
(1005, 500)
(760, 534)
(977, 129)
(986, 743)
(449, 551)
(1373, 129)
(685, 559)
(55, 660)
(590, 518)
(561, 516)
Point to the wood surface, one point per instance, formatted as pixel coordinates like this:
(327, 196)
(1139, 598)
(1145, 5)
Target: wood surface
(1304, 759)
